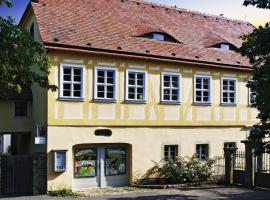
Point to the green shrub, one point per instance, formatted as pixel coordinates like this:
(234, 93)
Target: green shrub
(186, 170)
(63, 192)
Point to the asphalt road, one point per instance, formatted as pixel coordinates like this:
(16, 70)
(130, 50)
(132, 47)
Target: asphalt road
(200, 193)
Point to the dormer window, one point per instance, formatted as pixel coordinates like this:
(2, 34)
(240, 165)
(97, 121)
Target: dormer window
(225, 46)
(159, 36)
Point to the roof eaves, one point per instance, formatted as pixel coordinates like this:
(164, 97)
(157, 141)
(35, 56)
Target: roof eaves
(65, 47)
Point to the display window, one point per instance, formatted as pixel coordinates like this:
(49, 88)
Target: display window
(115, 161)
(85, 162)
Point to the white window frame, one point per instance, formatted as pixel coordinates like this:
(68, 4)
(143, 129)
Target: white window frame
(115, 84)
(235, 92)
(210, 89)
(62, 66)
(179, 99)
(145, 86)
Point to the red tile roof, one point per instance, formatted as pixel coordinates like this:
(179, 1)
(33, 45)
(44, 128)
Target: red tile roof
(110, 24)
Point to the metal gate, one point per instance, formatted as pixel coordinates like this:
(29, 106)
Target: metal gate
(16, 175)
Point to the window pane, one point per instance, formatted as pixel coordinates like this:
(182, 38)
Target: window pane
(21, 109)
(77, 93)
(115, 161)
(100, 95)
(67, 77)
(166, 78)
(140, 76)
(131, 75)
(66, 93)
(140, 96)
(131, 82)
(85, 163)
(140, 82)
(67, 71)
(166, 97)
(67, 86)
(101, 73)
(77, 87)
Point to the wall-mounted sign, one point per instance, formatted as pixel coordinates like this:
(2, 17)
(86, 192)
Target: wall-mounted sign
(60, 160)
(103, 132)
(41, 135)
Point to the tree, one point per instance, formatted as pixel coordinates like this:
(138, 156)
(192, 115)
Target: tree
(7, 2)
(256, 47)
(18, 54)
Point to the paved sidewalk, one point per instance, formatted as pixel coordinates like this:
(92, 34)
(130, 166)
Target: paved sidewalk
(200, 193)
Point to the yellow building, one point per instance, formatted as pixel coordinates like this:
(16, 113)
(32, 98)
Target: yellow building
(137, 82)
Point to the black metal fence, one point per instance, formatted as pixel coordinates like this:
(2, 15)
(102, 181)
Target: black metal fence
(262, 163)
(239, 160)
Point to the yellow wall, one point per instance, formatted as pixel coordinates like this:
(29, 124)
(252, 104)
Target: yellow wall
(146, 144)
(152, 113)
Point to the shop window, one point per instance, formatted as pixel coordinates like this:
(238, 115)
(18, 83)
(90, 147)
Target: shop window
(21, 109)
(202, 151)
(170, 152)
(85, 162)
(115, 161)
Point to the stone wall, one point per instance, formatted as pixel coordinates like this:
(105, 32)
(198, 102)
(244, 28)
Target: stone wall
(39, 174)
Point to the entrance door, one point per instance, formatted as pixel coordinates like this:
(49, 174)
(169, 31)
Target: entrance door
(100, 167)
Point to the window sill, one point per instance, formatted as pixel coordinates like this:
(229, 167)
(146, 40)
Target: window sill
(201, 104)
(135, 101)
(21, 117)
(228, 104)
(105, 100)
(170, 102)
(70, 99)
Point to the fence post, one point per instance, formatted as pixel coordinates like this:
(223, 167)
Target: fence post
(229, 164)
(250, 163)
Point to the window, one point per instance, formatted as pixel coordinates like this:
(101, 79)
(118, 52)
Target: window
(136, 86)
(228, 91)
(21, 109)
(32, 30)
(225, 47)
(229, 144)
(252, 97)
(159, 36)
(170, 90)
(170, 152)
(72, 81)
(105, 83)
(202, 151)
(202, 88)
(85, 162)
(115, 161)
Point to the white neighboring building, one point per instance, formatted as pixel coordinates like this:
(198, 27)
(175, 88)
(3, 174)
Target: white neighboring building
(5, 142)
